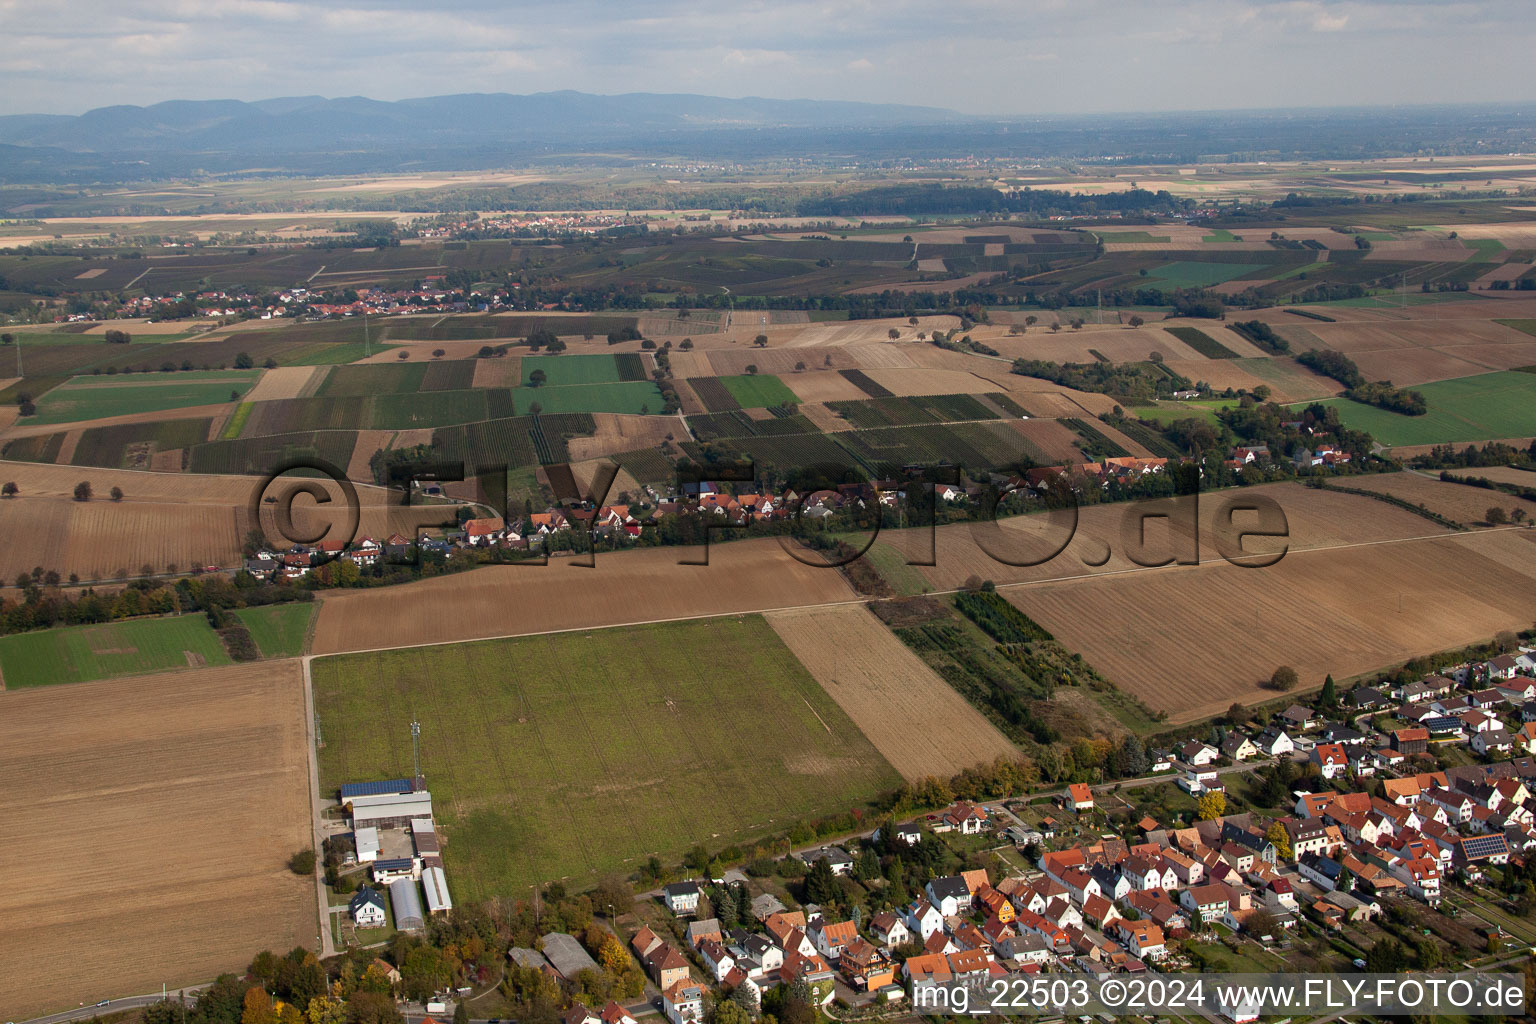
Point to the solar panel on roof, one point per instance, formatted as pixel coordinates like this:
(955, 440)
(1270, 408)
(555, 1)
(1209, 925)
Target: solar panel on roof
(1483, 846)
(382, 788)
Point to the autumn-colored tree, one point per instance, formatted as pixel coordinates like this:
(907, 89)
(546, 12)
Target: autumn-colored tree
(612, 956)
(257, 1008)
(1211, 806)
(1281, 839)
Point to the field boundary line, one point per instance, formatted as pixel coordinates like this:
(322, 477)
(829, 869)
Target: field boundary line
(322, 919)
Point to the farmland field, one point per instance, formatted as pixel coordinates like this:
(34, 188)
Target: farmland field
(914, 718)
(75, 654)
(572, 369)
(1461, 502)
(199, 779)
(597, 751)
(1193, 274)
(758, 391)
(1161, 634)
(279, 629)
(632, 397)
(89, 398)
(1490, 405)
(523, 599)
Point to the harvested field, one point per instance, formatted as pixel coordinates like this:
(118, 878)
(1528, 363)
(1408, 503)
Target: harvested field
(915, 719)
(584, 472)
(137, 760)
(1049, 403)
(690, 364)
(626, 587)
(104, 540)
(287, 382)
(1219, 373)
(1054, 439)
(500, 372)
(688, 400)
(368, 442)
(731, 362)
(1498, 474)
(618, 432)
(1161, 634)
(187, 519)
(1289, 380)
(825, 419)
(1462, 502)
(823, 386)
(1315, 519)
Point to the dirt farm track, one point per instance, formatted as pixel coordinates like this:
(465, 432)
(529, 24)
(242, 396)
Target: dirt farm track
(154, 815)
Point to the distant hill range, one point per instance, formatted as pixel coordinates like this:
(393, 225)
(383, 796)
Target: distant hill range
(312, 135)
(468, 127)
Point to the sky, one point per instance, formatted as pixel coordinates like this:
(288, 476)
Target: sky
(1003, 57)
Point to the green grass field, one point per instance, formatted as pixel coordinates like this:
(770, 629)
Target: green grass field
(1168, 411)
(563, 370)
(280, 630)
(1525, 326)
(77, 654)
(1219, 235)
(565, 756)
(1480, 408)
(1194, 274)
(89, 398)
(329, 354)
(625, 396)
(758, 390)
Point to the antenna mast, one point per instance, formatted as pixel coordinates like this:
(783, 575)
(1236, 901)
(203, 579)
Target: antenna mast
(416, 748)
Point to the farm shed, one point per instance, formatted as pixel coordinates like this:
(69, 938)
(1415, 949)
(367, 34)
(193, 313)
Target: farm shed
(386, 787)
(435, 884)
(403, 896)
(567, 956)
(391, 810)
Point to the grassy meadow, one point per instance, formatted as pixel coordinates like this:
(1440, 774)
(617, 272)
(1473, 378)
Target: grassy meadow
(77, 654)
(565, 756)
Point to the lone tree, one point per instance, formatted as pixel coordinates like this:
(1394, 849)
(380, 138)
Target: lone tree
(751, 367)
(243, 361)
(1211, 806)
(800, 366)
(537, 378)
(686, 345)
(116, 337)
(1284, 679)
(1495, 516)
(10, 490)
(438, 353)
(1135, 321)
(117, 494)
(403, 354)
(761, 341)
(83, 491)
(893, 334)
(302, 863)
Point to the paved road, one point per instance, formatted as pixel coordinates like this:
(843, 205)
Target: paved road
(111, 1006)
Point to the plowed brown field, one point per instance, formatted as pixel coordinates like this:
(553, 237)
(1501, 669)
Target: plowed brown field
(625, 587)
(154, 817)
(915, 719)
(1461, 502)
(621, 432)
(1192, 641)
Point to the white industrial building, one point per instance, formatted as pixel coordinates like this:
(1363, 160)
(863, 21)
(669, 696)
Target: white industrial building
(390, 810)
(367, 842)
(435, 884)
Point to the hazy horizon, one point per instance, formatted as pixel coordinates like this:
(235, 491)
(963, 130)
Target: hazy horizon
(983, 57)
